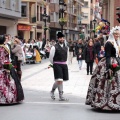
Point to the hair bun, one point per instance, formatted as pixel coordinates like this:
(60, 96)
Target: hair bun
(2, 39)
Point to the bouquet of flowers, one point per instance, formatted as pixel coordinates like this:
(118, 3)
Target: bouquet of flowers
(50, 66)
(7, 65)
(114, 68)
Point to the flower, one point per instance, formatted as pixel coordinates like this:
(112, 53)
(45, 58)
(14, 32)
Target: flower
(50, 66)
(62, 20)
(7, 65)
(114, 68)
(114, 65)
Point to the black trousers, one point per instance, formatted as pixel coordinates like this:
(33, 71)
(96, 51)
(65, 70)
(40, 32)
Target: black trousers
(89, 67)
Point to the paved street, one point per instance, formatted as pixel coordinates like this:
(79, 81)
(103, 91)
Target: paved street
(37, 81)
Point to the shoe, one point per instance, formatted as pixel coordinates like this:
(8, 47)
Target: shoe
(52, 95)
(91, 74)
(87, 73)
(61, 98)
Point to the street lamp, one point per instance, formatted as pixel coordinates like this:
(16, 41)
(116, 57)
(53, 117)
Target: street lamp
(61, 13)
(44, 17)
(94, 22)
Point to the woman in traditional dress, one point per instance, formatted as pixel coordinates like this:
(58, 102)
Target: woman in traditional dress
(10, 87)
(104, 87)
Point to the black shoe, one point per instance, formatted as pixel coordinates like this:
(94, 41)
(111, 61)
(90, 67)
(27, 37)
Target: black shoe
(87, 73)
(91, 74)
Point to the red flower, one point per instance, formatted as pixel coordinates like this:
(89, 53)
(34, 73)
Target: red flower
(49, 67)
(114, 65)
(6, 62)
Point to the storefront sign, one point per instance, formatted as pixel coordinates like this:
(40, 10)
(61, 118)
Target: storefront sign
(24, 27)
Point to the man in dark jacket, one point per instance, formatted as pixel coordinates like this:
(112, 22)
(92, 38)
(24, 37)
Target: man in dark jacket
(97, 46)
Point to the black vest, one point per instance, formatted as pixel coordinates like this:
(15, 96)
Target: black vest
(60, 53)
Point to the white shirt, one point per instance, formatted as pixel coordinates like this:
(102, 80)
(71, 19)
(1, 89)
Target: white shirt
(52, 53)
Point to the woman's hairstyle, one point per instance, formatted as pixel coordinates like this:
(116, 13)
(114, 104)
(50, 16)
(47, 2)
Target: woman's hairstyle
(115, 31)
(90, 42)
(17, 40)
(2, 39)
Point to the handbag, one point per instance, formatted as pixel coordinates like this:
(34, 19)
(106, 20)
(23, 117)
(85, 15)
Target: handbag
(96, 60)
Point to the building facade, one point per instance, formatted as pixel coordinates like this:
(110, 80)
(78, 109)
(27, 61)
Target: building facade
(10, 12)
(109, 11)
(31, 25)
(86, 17)
(73, 16)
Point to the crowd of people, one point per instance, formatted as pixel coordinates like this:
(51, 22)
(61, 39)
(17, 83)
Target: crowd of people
(103, 90)
(90, 50)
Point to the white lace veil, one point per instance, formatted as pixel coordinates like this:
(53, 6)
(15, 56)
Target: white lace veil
(112, 39)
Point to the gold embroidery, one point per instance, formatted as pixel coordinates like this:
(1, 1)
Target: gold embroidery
(5, 48)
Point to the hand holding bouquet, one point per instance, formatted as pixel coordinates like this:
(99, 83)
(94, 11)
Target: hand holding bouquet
(50, 66)
(7, 65)
(113, 69)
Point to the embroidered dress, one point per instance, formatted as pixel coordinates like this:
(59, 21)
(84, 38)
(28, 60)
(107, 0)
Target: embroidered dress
(8, 89)
(104, 92)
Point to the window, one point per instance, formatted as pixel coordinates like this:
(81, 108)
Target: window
(52, 17)
(24, 9)
(38, 13)
(85, 4)
(85, 15)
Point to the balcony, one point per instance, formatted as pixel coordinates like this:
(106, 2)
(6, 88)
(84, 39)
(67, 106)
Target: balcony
(10, 8)
(54, 7)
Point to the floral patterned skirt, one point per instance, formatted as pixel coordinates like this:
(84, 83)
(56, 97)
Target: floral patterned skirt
(104, 93)
(8, 91)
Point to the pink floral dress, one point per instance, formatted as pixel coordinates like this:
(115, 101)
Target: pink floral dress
(8, 92)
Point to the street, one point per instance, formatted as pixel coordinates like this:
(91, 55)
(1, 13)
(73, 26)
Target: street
(37, 81)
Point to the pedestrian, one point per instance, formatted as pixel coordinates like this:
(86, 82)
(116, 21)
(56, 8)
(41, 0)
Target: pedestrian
(17, 51)
(58, 57)
(80, 45)
(10, 88)
(71, 49)
(101, 39)
(89, 55)
(101, 53)
(104, 88)
(80, 58)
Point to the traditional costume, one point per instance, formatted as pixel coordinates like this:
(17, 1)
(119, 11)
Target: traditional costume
(10, 87)
(104, 87)
(58, 57)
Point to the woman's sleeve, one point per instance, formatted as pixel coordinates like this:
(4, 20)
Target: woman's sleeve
(108, 48)
(16, 49)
